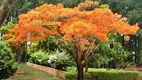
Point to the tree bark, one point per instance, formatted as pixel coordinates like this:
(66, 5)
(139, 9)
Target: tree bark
(80, 71)
(86, 66)
(23, 53)
(6, 6)
(23, 57)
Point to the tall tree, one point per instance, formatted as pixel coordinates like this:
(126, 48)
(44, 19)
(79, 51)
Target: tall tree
(5, 8)
(75, 28)
(132, 9)
(129, 8)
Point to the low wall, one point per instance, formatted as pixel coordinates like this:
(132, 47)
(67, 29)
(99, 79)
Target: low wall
(49, 70)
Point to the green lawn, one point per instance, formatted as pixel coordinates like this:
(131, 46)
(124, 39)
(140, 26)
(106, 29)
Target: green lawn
(70, 69)
(89, 69)
(32, 74)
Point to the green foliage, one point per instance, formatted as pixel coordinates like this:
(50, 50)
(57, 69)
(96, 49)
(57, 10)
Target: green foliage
(60, 60)
(129, 8)
(73, 76)
(119, 55)
(4, 29)
(134, 15)
(105, 56)
(56, 59)
(105, 75)
(66, 3)
(39, 57)
(140, 59)
(48, 44)
(22, 6)
(8, 66)
(1, 2)
(104, 6)
(70, 3)
(127, 64)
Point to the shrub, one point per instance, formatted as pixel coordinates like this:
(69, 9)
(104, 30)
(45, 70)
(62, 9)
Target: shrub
(39, 57)
(8, 66)
(105, 75)
(73, 76)
(57, 59)
(60, 60)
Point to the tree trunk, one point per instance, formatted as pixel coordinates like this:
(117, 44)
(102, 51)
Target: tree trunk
(80, 71)
(6, 6)
(23, 53)
(23, 57)
(86, 66)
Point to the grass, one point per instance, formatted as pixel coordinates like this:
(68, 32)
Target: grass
(89, 69)
(70, 69)
(32, 74)
(35, 74)
(96, 69)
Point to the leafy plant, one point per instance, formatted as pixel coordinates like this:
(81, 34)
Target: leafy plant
(37, 57)
(4, 29)
(8, 66)
(60, 60)
(105, 75)
(55, 59)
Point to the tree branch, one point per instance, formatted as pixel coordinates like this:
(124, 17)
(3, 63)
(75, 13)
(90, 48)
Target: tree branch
(91, 51)
(88, 49)
(61, 42)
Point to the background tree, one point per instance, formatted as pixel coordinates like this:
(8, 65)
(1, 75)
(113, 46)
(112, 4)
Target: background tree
(21, 7)
(5, 8)
(107, 57)
(132, 10)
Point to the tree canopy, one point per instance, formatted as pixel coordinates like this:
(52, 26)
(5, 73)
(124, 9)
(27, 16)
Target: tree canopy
(72, 23)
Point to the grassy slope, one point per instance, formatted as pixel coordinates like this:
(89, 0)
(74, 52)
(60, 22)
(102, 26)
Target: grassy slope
(32, 74)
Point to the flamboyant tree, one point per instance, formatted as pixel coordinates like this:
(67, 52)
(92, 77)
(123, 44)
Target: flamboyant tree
(75, 28)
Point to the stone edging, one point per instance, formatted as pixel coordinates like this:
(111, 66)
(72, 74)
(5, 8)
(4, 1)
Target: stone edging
(49, 70)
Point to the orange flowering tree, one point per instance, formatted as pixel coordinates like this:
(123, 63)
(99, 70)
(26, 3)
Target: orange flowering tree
(76, 30)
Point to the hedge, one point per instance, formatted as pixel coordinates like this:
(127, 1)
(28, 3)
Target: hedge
(105, 75)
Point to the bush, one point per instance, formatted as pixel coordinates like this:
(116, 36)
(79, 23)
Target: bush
(39, 57)
(73, 76)
(8, 66)
(105, 75)
(60, 60)
(57, 59)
